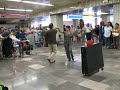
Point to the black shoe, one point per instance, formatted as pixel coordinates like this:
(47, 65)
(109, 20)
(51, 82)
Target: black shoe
(69, 59)
(53, 62)
(49, 61)
(72, 58)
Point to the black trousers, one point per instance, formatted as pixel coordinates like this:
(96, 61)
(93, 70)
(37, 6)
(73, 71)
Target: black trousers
(68, 49)
(88, 36)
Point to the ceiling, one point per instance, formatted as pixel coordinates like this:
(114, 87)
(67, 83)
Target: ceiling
(57, 4)
(12, 4)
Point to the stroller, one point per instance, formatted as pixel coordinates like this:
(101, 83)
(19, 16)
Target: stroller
(27, 47)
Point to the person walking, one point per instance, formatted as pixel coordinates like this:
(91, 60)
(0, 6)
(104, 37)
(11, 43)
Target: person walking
(107, 34)
(68, 43)
(52, 43)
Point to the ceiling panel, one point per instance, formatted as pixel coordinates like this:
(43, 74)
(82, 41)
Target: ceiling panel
(20, 5)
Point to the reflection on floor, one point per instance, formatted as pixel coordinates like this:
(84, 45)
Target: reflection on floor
(35, 73)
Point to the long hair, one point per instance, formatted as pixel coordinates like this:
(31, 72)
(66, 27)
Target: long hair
(81, 23)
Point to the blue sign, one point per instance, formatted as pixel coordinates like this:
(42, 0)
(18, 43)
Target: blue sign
(75, 17)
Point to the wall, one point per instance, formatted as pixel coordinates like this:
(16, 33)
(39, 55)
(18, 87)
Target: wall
(8, 25)
(68, 23)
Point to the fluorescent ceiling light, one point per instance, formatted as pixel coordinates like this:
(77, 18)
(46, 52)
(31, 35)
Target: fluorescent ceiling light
(104, 13)
(22, 10)
(15, 0)
(100, 13)
(73, 7)
(1, 8)
(31, 2)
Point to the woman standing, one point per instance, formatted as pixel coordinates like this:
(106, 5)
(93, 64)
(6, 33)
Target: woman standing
(116, 34)
(88, 32)
(68, 43)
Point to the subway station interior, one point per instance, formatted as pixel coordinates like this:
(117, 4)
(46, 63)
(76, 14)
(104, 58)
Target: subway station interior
(59, 44)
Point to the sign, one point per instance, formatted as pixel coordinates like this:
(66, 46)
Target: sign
(75, 17)
(14, 16)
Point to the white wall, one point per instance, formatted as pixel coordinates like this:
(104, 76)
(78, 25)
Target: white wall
(68, 23)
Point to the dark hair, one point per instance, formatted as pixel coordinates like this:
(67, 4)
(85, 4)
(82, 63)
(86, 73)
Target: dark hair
(111, 24)
(51, 25)
(117, 24)
(81, 23)
(68, 27)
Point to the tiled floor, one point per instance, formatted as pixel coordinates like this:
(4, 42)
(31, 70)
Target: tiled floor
(35, 73)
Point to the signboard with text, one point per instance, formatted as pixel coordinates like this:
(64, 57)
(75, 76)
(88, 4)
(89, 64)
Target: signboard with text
(75, 16)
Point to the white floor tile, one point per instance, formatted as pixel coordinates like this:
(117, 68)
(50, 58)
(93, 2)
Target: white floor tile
(36, 66)
(26, 59)
(94, 85)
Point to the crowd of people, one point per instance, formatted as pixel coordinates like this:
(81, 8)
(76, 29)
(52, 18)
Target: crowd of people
(23, 38)
(107, 34)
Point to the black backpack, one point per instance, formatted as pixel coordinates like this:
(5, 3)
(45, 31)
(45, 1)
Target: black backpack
(4, 88)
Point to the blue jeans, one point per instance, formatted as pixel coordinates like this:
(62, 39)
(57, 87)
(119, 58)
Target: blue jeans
(107, 41)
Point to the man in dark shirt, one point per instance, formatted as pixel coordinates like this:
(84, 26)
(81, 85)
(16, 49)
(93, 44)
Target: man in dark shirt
(52, 43)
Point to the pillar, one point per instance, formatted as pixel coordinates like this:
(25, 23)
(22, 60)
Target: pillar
(75, 22)
(116, 14)
(105, 18)
(96, 21)
(57, 20)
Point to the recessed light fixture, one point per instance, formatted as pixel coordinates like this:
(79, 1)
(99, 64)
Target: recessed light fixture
(73, 7)
(22, 10)
(31, 2)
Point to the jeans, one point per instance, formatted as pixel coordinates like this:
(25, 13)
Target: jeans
(21, 51)
(68, 49)
(1, 50)
(107, 41)
(116, 41)
(53, 51)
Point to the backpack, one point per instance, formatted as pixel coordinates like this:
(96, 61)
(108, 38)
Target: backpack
(3, 87)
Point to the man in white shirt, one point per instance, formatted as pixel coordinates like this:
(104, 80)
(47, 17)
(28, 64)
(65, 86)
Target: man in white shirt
(107, 34)
(88, 32)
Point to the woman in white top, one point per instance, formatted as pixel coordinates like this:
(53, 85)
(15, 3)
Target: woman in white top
(116, 35)
(88, 32)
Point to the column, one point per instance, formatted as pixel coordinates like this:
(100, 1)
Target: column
(75, 22)
(116, 14)
(105, 18)
(57, 20)
(96, 21)
(29, 22)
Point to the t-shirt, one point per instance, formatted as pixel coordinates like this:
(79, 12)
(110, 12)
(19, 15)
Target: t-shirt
(67, 37)
(88, 29)
(107, 31)
(51, 36)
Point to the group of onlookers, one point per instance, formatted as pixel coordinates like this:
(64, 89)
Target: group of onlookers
(107, 34)
(10, 38)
